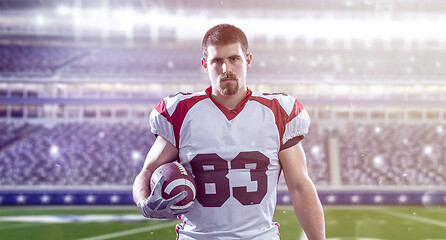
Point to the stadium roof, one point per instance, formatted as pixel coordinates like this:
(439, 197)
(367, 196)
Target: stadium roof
(372, 5)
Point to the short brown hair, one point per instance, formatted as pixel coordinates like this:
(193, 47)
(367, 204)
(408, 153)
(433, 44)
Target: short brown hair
(223, 34)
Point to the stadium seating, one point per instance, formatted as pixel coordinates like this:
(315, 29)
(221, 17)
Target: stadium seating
(350, 63)
(315, 148)
(10, 132)
(136, 61)
(76, 154)
(35, 60)
(338, 63)
(403, 154)
(393, 154)
(99, 154)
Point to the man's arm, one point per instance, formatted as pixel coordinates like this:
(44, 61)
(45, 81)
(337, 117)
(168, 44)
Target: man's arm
(162, 151)
(306, 203)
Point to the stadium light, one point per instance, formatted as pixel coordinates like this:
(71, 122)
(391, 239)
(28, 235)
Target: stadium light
(125, 17)
(63, 10)
(68, 199)
(378, 199)
(377, 90)
(40, 20)
(307, 25)
(426, 199)
(77, 17)
(403, 199)
(114, 198)
(45, 198)
(21, 199)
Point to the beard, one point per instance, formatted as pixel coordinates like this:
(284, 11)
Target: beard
(229, 88)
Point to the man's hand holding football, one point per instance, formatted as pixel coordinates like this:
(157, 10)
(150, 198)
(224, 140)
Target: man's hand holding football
(155, 206)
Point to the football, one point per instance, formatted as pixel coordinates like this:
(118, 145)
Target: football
(177, 179)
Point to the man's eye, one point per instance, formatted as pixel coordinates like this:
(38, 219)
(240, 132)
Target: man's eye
(216, 61)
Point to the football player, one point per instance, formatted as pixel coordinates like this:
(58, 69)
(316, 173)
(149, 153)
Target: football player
(236, 143)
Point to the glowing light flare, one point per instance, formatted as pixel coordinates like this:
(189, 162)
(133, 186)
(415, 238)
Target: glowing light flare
(114, 198)
(90, 198)
(126, 17)
(331, 198)
(377, 90)
(377, 129)
(101, 134)
(426, 199)
(428, 150)
(405, 141)
(160, 19)
(45, 198)
(341, 90)
(77, 17)
(315, 150)
(403, 199)
(136, 156)
(309, 26)
(378, 161)
(378, 199)
(344, 28)
(40, 20)
(102, 18)
(439, 129)
(68, 199)
(355, 199)
(63, 10)
(54, 150)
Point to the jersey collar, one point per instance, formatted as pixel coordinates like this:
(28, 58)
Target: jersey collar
(230, 114)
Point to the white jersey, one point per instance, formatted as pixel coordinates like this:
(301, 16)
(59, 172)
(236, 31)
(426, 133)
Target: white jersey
(233, 155)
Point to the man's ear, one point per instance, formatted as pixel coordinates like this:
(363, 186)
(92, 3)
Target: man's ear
(248, 60)
(204, 64)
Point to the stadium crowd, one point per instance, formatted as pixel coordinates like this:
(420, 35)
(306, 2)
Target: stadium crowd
(112, 153)
(393, 154)
(36, 60)
(75, 154)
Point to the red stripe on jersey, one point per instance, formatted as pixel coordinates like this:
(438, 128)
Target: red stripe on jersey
(177, 229)
(297, 108)
(161, 108)
(230, 114)
(281, 117)
(180, 113)
(278, 226)
(279, 113)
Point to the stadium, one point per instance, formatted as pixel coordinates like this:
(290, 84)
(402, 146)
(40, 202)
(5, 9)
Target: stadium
(79, 78)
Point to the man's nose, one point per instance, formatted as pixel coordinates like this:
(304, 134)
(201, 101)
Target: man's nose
(226, 68)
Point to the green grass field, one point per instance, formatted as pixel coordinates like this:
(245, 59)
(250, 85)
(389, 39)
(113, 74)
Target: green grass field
(347, 223)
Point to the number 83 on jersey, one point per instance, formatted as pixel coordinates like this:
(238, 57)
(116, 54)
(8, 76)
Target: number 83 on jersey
(213, 185)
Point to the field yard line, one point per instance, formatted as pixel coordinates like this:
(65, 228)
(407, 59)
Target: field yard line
(417, 218)
(130, 232)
